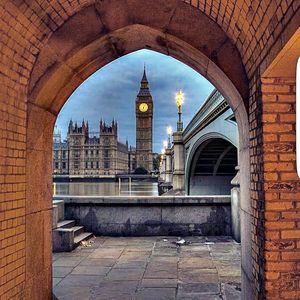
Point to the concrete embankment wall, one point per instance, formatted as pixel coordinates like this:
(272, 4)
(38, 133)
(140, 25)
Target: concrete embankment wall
(147, 216)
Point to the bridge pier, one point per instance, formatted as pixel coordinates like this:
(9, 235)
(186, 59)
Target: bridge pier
(235, 206)
(179, 162)
(168, 156)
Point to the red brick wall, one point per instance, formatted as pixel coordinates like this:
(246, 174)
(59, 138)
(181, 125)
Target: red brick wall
(12, 179)
(282, 189)
(254, 27)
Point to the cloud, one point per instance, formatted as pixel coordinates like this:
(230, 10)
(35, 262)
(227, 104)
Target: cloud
(111, 92)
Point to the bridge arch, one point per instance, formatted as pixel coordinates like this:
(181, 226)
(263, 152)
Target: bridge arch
(191, 152)
(212, 166)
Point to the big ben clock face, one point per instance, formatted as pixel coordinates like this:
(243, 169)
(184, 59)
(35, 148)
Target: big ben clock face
(143, 107)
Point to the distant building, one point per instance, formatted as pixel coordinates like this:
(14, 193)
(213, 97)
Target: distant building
(60, 155)
(144, 126)
(93, 155)
(83, 155)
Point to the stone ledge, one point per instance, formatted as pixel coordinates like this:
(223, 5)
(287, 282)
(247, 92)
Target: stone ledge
(145, 200)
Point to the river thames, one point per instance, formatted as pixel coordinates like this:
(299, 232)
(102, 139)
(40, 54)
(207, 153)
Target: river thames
(137, 188)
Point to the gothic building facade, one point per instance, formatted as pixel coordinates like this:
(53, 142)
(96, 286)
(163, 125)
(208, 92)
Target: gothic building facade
(83, 155)
(86, 155)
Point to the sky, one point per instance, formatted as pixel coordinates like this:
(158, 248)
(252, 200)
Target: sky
(111, 93)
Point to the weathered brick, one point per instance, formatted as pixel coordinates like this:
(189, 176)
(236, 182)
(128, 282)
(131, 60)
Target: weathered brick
(280, 266)
(254, 27)
(290, 234)
(275, 89)
(290, 255)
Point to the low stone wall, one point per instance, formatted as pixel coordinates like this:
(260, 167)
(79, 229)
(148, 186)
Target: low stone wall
(147, 216)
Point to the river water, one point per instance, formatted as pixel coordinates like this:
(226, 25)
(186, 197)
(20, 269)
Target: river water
(137, 188)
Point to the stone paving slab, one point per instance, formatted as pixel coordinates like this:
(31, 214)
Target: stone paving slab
(199, 288)
(132, 264)
(67, 261)
(81, 280)
(90, 270)
(181, 296)
(75, 293)
(198, 276)
(156, 294)
(100, 262)
(125, 274)
(159, 283)
(141, 268)
(61, 272)
(196, 262)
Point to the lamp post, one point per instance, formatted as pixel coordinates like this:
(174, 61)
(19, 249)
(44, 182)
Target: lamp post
(169, 132)
(168, 155)
(179, 157)
(179, 102)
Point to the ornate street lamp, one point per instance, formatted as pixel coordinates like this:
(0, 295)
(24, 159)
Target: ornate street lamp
(169, 132)
(179, 102)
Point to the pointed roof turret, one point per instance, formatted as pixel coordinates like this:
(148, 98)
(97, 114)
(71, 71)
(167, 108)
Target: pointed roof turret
(70, 128)
(144, 88)
(144, 79)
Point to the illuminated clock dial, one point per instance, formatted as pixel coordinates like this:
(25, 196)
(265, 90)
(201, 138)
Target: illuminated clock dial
(143, 107)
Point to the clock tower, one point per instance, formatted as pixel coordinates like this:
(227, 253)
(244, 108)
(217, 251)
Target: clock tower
(144, 124)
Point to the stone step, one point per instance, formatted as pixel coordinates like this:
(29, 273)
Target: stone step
(77, 230)
(82, 237)
(62, 239)
(59, 207)
(54, 216)
(67, 235)
(66, 224)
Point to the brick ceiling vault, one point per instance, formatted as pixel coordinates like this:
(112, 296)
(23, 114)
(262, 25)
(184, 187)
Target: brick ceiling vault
(252, 25)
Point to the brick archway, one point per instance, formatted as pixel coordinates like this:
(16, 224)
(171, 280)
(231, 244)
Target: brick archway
(49, 48)
(49, 88)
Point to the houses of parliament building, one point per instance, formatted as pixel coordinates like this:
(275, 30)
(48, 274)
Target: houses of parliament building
(101, 155)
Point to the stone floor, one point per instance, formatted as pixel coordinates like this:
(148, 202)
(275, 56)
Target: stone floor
(149, 268)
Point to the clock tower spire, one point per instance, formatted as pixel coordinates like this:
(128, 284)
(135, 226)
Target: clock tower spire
(144, 124)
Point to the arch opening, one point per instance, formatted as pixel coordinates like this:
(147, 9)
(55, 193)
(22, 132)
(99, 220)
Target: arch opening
(50, 88)
(213, 168)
